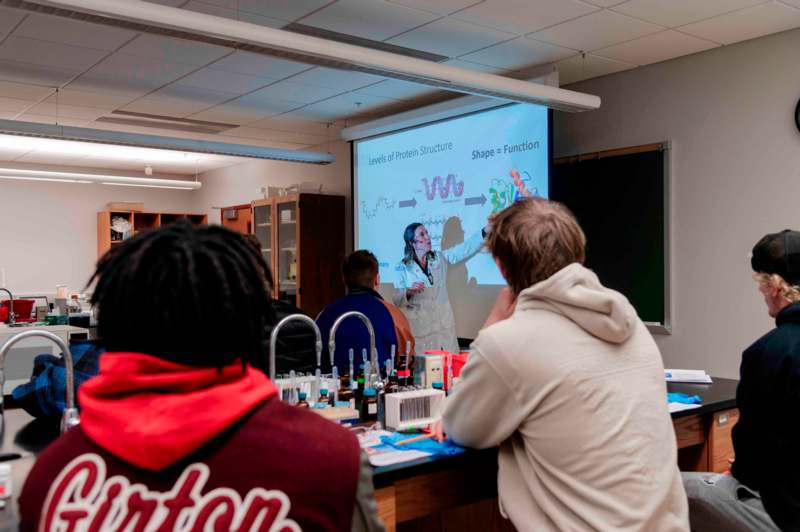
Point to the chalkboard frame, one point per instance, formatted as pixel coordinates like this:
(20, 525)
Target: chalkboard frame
(665, 325)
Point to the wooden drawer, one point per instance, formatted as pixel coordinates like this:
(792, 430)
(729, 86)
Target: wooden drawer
(690, 430)
(720, 442)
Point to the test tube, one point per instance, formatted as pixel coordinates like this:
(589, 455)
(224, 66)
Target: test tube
(353, 381)
(293, 399)
(367, 382)
(391, 356)
(334, 387)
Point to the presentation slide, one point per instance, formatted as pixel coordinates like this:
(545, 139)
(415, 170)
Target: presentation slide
(449, 176)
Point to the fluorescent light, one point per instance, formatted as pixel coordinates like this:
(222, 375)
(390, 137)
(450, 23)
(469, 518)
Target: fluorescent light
(153, 148)
(79, 177)
(28, 178)
(145, 186)
(150, 18)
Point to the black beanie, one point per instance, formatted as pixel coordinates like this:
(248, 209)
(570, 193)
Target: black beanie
(778, 253)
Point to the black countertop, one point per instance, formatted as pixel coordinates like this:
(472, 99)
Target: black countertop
(27, 436)
(720, 395)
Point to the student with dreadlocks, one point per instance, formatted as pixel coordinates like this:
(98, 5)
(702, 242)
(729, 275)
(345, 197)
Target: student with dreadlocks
(179, 431)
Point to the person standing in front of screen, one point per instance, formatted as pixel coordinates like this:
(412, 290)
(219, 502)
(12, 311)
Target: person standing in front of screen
(421, 288)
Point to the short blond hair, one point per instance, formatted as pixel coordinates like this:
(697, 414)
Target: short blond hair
(533, 239)
(773, 280)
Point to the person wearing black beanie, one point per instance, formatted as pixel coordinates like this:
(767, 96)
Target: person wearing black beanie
(762, 490)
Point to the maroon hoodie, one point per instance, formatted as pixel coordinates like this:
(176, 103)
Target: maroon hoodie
(165, 447)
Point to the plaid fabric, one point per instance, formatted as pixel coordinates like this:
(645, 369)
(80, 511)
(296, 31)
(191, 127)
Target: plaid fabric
(46, 393)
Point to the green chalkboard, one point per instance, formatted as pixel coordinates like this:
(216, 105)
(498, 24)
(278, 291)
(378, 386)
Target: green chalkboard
(619, 198)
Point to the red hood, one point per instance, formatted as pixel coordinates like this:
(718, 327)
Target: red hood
(151, 412)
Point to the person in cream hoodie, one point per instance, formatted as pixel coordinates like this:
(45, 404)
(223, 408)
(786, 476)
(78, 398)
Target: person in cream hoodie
(567, 380)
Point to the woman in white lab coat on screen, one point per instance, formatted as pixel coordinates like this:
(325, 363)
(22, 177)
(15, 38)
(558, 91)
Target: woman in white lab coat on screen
(421, 287)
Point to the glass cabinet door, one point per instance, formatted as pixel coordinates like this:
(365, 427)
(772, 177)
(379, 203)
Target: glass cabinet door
(262, 228)
(286, 276)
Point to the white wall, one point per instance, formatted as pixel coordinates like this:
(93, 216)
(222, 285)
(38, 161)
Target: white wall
(242, 183)
(48, 231)
(735, 176)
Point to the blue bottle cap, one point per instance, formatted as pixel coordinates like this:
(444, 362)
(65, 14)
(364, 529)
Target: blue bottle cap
(302, 396)
(438, 385)
(323, 391)
(369, 392)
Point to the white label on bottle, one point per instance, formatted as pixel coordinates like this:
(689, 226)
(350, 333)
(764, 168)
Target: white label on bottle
(354, 385)
(353, 404)
(372, 408)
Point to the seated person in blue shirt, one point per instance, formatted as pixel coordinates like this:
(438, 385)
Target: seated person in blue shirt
(361, 277)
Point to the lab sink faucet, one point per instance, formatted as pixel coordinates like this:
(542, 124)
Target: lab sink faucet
(273, 340)
(12, 318)
(70, 417)
(374, 367)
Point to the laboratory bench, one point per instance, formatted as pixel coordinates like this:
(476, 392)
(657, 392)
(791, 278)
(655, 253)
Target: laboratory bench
(460, 492)
(439, 493)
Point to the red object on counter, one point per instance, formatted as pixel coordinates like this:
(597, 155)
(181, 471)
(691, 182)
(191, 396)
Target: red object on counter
(23, 308)
(459, 359)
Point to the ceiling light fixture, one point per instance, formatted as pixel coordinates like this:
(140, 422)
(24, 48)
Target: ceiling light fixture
(153, 18)
(79, 177)
(119, 138)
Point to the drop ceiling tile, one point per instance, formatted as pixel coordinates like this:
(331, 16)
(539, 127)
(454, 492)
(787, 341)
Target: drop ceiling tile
(14, 105)
(73, 32)
(171, 3)
(128, 75)
(288, 10)
(167, 48)
(99, 100)
(231, 13)
(9, 18)
(243, 112)
(23, 91)
(657, 47)
(746, 24)
(49, 54)
(344, 80)
(217, 80)
(795, 3)
(259, 65)
(35, 74)
(523, 16)
(519, 53)
(396, 89)
(370, 19)
(605, 3)
(298, 92)
(68, 111)
(673, 13)
(450, 37)
(345, 105)
(578, 68)
(178, 101)
(440, 7)
(469, 65)
(292, 122)
(597, 30)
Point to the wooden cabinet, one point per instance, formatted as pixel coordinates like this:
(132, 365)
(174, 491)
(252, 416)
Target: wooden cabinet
(107, 237)
(237, 218)
(302, 239)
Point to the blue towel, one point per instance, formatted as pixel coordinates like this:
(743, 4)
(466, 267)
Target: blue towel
(446, 448)
(683, 398)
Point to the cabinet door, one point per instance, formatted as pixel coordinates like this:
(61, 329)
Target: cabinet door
(286, 274)
(262, 228)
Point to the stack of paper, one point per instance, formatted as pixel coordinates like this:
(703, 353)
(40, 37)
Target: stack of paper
(687, 375)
